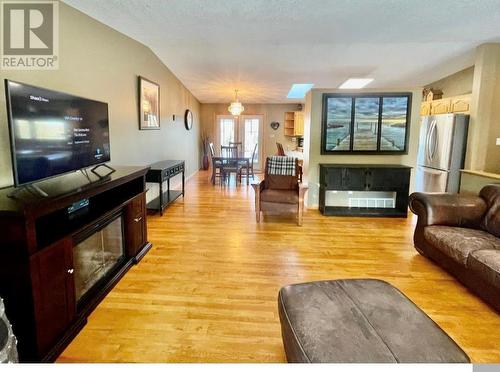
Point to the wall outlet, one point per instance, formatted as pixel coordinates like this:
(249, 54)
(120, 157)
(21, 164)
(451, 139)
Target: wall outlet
(498, 141)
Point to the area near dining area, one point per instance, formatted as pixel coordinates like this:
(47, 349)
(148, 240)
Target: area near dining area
(232, 159)
(237, 147)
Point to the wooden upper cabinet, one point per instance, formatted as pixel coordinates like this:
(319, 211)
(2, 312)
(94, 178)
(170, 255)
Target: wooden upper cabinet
(440, 106)
(53, 292)
(299, 123)
(460, 104)
(425, 108)
(294, 123)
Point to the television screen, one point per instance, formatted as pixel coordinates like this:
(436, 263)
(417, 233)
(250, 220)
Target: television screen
(54, 133)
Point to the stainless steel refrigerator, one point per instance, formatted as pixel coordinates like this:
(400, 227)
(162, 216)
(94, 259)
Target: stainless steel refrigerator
(441, 152)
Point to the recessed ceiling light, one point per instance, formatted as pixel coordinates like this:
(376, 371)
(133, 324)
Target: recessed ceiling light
(355, 83)
(299, 90)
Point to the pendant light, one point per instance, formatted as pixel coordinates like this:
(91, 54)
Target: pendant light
(236, 108)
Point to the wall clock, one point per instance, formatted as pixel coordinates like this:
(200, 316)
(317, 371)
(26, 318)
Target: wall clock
(275, 125)
(188, 119)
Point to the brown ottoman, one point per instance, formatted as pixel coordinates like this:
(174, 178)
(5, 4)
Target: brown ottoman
(359, 321)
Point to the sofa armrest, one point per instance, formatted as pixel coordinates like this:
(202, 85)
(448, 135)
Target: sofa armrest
(447, 209)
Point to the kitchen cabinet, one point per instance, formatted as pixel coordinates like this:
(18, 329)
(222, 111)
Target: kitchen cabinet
(294, 123)
(458, 104)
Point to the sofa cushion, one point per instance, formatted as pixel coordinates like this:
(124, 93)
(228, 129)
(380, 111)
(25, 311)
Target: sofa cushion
(486, 263)
(279, 196)
(459, 242)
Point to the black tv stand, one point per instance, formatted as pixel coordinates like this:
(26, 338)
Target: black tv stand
(38, 266)
(112, 170)
(32, 188)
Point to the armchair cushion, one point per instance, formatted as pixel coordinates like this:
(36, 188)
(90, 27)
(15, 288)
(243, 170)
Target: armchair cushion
(277, 182)
(458, 243)
(279, 196)
(448, 209)
(486, 263)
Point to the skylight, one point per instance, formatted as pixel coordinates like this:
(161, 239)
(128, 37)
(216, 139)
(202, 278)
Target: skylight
(355, 83)
(299, 90)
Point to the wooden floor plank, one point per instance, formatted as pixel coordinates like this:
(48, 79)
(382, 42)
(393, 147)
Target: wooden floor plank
(207, 290)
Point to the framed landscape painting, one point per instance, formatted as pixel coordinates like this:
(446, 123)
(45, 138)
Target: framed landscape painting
(149, 104)
(375, 123)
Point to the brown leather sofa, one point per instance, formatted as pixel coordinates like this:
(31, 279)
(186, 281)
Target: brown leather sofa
(462, 234)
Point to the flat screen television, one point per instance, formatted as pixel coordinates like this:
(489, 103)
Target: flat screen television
(53, 133)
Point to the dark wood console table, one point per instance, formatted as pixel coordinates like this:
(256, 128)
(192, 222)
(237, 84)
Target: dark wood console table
(365, 177)
(43, 240)
(160, 172)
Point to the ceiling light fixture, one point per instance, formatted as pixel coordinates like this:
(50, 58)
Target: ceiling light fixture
(236, 108)
(355, 83)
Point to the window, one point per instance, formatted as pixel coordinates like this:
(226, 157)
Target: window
(251, 136)
(227, 131)
(365, 123)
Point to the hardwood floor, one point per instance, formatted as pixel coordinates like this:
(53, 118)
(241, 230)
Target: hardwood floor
(207, 291)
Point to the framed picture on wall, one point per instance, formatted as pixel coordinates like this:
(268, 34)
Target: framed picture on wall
(375, 123)
(149, 104)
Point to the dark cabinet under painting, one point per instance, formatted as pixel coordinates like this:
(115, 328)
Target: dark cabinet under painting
(365, 123)
(364, 190)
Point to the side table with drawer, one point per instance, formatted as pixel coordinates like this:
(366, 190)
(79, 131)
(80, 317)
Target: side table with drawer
(164, 171)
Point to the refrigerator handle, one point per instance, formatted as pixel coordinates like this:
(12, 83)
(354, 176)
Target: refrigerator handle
(430, 170)
(427, 140)
(433, 140)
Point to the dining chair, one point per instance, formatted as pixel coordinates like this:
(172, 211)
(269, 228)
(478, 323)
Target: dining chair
(250, 165)
(217, 164)
(281, 151)
(239, 146)
(230, 166)
(229, 151)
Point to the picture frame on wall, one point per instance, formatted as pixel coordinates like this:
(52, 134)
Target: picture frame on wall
(149, 104)
(368, 124)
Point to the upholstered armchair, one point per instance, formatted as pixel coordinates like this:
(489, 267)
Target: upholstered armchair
(280, 191)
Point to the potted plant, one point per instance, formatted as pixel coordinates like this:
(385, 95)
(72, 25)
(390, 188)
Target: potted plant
(205, 140)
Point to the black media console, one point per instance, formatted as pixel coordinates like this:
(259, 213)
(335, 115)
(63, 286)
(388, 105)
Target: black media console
(367, 179)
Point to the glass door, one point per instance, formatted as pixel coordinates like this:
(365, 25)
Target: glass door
(246, 129)
(226, 130)
(250, 130)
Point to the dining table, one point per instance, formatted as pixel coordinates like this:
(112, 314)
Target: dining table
(231, 162)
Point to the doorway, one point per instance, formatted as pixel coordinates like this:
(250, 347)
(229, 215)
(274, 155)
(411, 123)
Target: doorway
(247, 129)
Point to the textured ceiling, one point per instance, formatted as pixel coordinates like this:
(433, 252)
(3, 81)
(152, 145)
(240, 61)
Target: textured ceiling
(262, 47)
